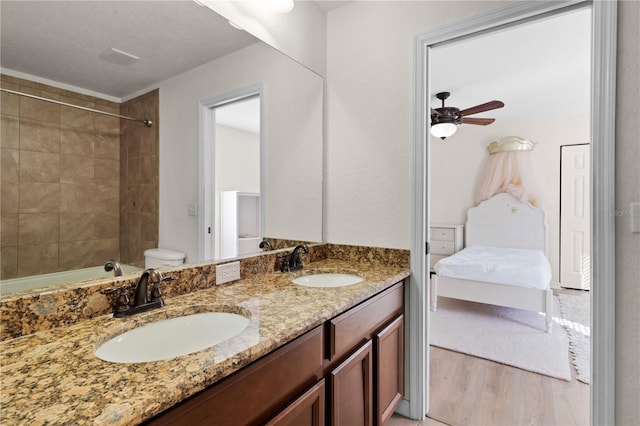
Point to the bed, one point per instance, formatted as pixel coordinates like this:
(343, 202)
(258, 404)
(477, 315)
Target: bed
(504, 261)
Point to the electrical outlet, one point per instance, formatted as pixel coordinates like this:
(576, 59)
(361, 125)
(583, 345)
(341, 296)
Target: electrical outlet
(227, 272)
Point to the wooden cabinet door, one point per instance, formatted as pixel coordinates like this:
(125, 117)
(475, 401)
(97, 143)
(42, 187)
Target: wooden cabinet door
(352, 390)
(389, 369)
(307, 410)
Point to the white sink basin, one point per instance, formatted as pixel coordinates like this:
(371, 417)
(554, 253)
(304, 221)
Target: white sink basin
(171, 338)
(327, 280)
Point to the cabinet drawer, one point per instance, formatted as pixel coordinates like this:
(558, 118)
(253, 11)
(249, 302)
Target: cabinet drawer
(442, 234)
(442, 247)
(254, 393)
(358, 324)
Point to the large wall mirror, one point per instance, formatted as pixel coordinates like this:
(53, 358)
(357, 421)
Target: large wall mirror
(80, 187)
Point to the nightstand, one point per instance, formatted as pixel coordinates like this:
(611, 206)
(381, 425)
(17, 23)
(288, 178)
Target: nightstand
(445, 240)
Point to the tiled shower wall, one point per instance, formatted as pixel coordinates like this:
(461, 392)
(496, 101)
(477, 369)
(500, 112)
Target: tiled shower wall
(60, 181)
(139, 191)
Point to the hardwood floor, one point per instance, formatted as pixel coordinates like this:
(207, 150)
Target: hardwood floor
(398, 420)
(465, 390)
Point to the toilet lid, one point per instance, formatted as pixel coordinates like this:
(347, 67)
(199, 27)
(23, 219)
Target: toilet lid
(166, 254)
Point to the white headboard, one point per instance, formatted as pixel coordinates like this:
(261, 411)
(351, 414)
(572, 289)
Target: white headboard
(503, 221)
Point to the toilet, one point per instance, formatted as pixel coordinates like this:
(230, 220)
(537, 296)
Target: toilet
(159, 258)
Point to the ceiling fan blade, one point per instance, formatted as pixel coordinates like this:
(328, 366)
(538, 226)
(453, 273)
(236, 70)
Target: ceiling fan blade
(479, 121)
(481, 108)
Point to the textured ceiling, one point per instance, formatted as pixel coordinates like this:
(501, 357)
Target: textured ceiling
(540, 69)
(64, 40)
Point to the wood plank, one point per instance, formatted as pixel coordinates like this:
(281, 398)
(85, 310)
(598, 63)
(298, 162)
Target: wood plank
(466, 390)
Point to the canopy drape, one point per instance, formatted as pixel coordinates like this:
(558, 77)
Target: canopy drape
(510, 171)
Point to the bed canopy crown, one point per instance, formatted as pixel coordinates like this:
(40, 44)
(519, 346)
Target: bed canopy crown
(511, 143)
(509, 169)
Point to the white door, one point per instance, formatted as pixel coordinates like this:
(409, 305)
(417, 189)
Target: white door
(575, 248)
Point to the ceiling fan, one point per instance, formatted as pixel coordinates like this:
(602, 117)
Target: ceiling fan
(444, 120)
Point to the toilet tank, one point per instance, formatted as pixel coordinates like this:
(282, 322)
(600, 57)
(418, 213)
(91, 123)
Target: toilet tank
(159, 257)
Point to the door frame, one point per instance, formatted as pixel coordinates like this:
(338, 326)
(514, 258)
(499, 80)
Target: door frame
(603, 85)
(206, 153)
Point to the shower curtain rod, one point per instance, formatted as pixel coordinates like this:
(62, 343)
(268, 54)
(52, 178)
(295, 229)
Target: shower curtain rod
(145, 121)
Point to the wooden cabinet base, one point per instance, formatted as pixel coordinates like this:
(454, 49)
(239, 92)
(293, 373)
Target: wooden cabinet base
(389, 369)
(308, 410)
(360, 356)
(257, 392)
(352, 389)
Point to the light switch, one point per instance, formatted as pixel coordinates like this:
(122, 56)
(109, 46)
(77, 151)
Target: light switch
(635, 218)
(192, 209)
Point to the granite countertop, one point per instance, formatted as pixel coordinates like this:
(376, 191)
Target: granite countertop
(53, 377)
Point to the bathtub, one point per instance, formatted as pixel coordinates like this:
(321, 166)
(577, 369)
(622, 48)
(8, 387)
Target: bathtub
(56, 278)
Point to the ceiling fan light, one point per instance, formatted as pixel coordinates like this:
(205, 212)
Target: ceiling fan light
(443, 130)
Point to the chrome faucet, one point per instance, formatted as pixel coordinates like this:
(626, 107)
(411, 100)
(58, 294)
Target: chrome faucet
(295, 261)
(113, 265)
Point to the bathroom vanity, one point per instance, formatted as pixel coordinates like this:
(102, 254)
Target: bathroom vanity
(325, 355)
(349, 369)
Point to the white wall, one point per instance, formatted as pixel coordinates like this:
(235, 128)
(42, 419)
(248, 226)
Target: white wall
(457, 162)
(627, 191)
(237, 160)
(237, 167)
(292, 124)
(370, 116)
(307, 21)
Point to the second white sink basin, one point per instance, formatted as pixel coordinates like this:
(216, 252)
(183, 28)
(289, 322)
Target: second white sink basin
(170, 338)
(327, 280)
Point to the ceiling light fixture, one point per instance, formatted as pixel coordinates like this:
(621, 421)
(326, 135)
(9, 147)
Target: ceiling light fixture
(443, 129)
(444, 120)
(281, 6)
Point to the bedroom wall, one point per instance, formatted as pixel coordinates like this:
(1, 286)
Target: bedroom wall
(457, 162)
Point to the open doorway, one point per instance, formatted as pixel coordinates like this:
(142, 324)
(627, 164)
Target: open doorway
(231, 178)
(511, 65)
(602, 137)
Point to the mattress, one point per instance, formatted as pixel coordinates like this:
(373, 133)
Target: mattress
(517, 267)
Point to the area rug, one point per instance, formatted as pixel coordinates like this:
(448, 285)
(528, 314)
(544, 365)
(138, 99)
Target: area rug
(576, 315)
(509, 336)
